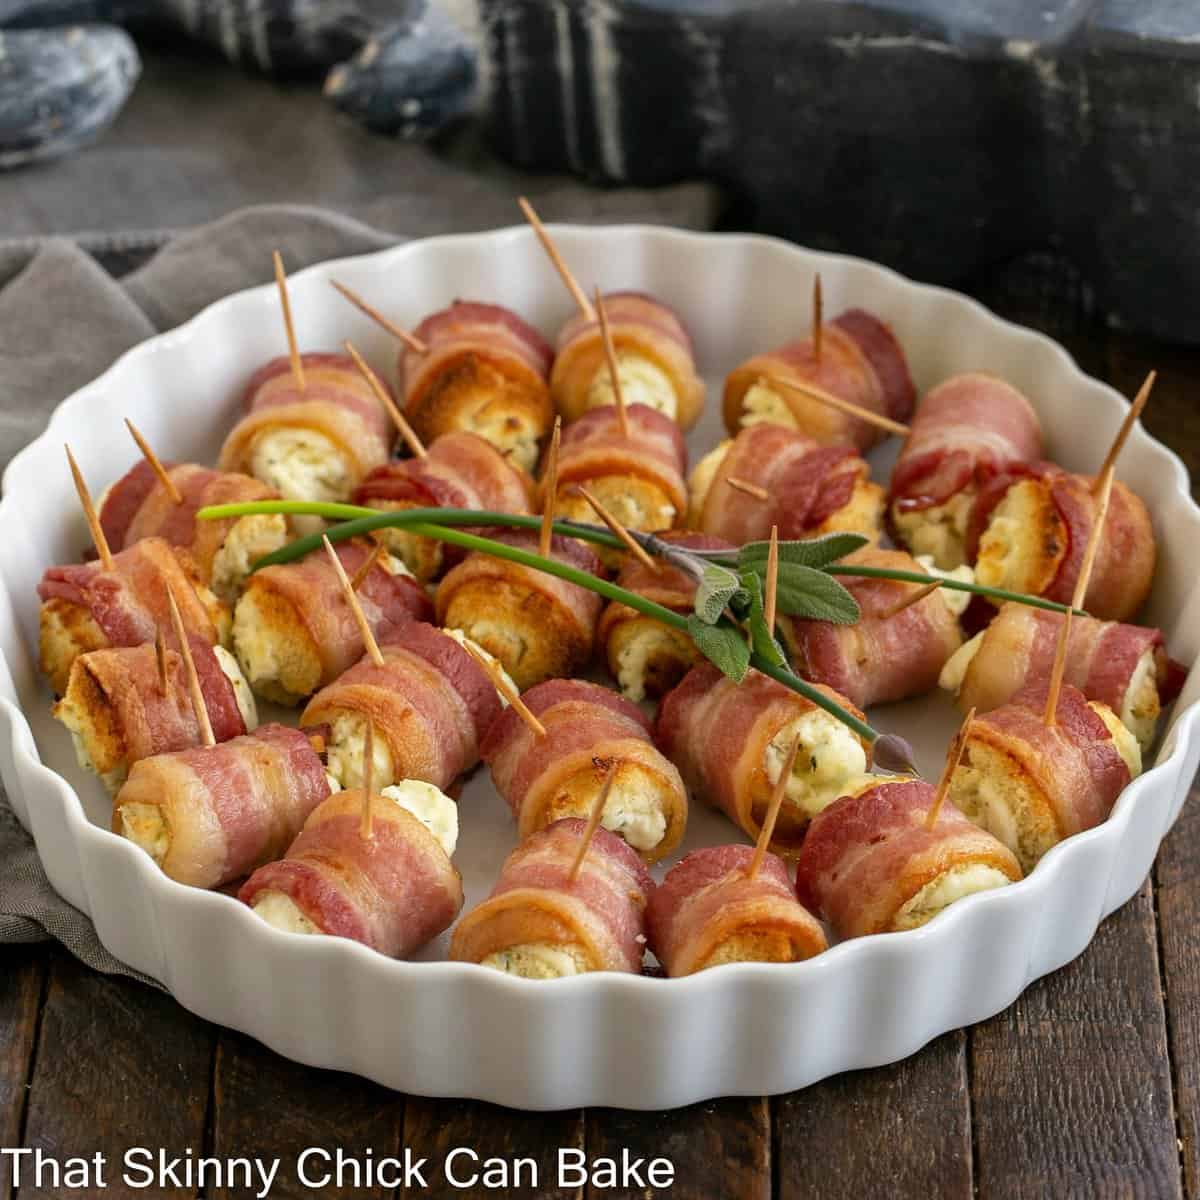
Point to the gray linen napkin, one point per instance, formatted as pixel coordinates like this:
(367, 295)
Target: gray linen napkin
(63, 320)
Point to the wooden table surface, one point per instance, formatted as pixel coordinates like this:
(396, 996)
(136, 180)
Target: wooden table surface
(1088, 1086)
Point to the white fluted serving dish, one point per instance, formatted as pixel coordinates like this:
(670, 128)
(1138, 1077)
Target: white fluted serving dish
(448, 1029)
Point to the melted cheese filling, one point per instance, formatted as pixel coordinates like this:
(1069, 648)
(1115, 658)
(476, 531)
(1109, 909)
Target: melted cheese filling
(1140, 707)
(955, 669)
(145, 826)
(830, 758)
(624, 504)
(763, 405)
(470, 644)
(502, 640)
(300, 464)
(649, 643)
(241, 689)
(956, 601)
(1013, 549)
(642, 382)
(248, 540)
(431, 806)
(700, 482)
(963, 880)
(513, 432)
(281, 911)
(539, 960)
(346, 751)
(939, 532)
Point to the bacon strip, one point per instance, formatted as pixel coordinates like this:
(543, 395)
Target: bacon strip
(337, 402)
(639, 325)
(129, 603)
(861, 361)
(808, 484)
(594, 446)
(590, 731)
(1017, 652)
(393, 891)
(474, 351)
(310, 589)
(708, 900)
(966, 431)
(228, 808)
(717, 732)
(430, 700)
(877, 660)
(602, 911)
(866, 856)
(138, 506)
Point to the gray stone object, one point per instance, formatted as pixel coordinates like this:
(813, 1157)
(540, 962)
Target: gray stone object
(59, 88)
(939, 136)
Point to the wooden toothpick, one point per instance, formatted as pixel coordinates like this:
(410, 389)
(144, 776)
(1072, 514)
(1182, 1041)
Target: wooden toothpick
(1081, 585)
(749, 489)
(818, 316)
(356, 580)
(953, 758)
(550, 490)
(1135, 411)
(767, 832)
(156, 463)
(821, 396)
(771, 591)
(360, 617)
(90, 515)
(564, 272)
(413, 342)
(286, 304)
(384, 397)
(593, 824)
(189, 667)
(506, 688)
(610, 355)
(615, 527)
(912, 598)
(366, 827)
(160, 656)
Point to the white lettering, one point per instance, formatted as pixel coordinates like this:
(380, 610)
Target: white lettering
(138, 1172)
(572, 1168)
(660, 1173)
(322, 1157)
(454, 1180)
(266, 1176)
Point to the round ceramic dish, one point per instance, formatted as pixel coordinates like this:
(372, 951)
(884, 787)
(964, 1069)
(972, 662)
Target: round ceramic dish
(450, 1029)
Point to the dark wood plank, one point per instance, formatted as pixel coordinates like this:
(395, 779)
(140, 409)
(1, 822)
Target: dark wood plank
(1178, 895)
(433, 1129)
(268, 1107)
(1072, 1088)
(720, 1148)
(903, 1130)
(118, 1065)
(22, 975)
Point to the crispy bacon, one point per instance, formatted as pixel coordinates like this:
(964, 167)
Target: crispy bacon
(707, 903)
(878, 659)
(965, 432)
(867, 856)
(229, 808)
(393, 891)
(431, 702)
(640, 325)
(861, 361)
(590, 731)
(602, 912)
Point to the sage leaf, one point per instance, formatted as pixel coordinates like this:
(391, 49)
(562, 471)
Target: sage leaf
(815, 552)
(717, 587)
(765, 645)
(805, 592)
(723, 645)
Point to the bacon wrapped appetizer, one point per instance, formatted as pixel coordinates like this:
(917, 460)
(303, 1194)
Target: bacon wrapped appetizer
(860, 361)
(394, 890)
(460, 470)
(591, 734)
(315, 444)
(885, 655)
(870, 865)
(639, 478)
(1032, 784)
(811, 489)
(708, 911)
(293, 631)
(211, 814)
(138, 505)
(86, 607)
(730, 741)
(1123, 666)
(540, 924)
(485, 371)
(1028, 533)
(430, 705)
(537, 625)
(655, 361)
(966, 431)
(646, 657)
(118, 709)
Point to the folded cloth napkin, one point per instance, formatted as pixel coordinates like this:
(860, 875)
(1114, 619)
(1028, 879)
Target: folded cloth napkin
(64, 319)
